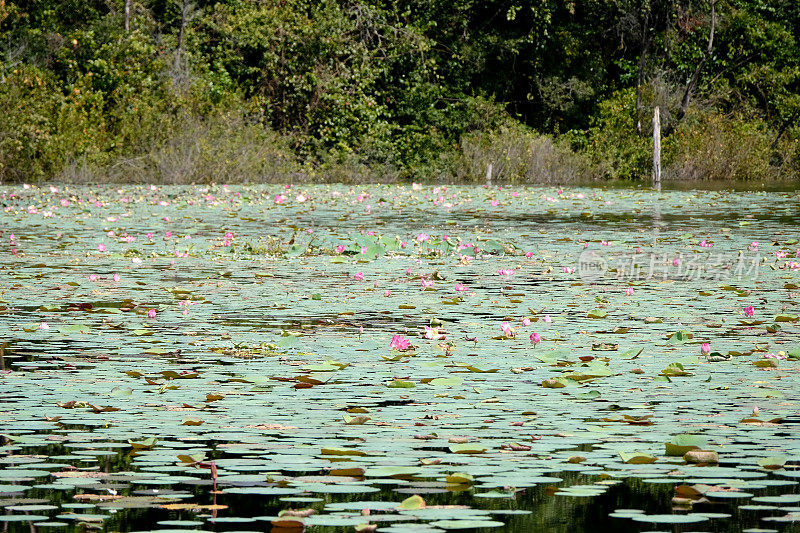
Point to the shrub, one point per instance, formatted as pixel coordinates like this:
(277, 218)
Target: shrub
(710, 146)
(220, 148)
(517, 155)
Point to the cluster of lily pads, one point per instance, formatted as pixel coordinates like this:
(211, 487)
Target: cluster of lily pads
(397, 358)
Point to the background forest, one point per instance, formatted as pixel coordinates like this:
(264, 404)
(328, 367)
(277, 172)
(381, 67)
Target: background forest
(175, 91)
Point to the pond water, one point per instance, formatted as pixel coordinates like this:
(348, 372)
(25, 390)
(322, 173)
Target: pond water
(414, 358)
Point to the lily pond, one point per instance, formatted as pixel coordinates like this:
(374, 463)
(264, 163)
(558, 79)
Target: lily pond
(398, 359)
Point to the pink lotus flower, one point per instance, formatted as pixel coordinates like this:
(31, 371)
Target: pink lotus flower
(629, 291)
(422, 237)
(426, 283)
(117, 277)
(753, 246)
(705, 349)
(399, 343)
(547, 319)
(676, 262)
(340, 249)
(151, 313)
(101, 247)
(92, 277)
(279, 199)
(460, 287)
(706, 244)
(359, 276)
(749, 311)
(506, 272)
(529, 254)
(526, 321)
(387, 293)
(433, 333)
(44, 325)
(507, 331)
(535, 338)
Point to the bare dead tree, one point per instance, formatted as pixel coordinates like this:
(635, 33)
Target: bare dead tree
(645, 50)
(127, 16)
(692, 85)
(188, 12)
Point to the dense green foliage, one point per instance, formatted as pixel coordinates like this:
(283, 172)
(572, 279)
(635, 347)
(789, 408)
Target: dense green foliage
(394, 89)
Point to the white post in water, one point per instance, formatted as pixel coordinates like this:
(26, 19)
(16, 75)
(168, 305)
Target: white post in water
(489, 175)
(657, 148)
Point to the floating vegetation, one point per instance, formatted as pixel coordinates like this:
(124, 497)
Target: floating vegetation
(397, 359)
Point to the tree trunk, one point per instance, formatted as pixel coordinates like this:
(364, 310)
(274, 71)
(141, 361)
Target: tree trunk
(645, 48)
(127, 16)
(180, 36)
(692, 85)
(657, 148)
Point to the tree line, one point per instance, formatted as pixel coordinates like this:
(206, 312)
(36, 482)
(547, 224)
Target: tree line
(275, 90)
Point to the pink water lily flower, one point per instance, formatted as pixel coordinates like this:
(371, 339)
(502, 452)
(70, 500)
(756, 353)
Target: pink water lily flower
(426, 283)
(359, 276)
(749, 311)
(705, 349)
(526, 321)
(151, 313)
(535, 338)
(507, 331)
(117, 277)
(460, 287)
(340, 249)
(433, 333)
(399, 343)
(547, 319)
(629, 291)
(101, 247)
